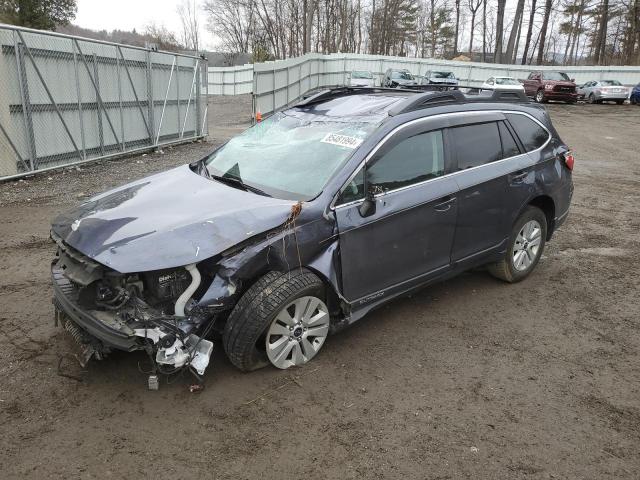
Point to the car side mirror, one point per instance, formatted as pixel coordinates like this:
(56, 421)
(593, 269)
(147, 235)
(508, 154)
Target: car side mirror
(573, 80)
(368, 206)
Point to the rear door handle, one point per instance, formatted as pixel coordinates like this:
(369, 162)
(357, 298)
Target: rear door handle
(445, 204)
(518, 176)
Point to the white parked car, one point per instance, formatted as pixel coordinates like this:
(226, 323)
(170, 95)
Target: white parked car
(361, 78)
(502, 83)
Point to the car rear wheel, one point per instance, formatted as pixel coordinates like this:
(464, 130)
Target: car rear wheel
(539, 96)
(525, 247)
(282, 319)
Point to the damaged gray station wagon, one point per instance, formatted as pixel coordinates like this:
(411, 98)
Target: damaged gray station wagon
(308, 220)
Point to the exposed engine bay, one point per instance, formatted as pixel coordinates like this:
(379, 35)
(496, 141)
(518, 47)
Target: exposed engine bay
(152, 311)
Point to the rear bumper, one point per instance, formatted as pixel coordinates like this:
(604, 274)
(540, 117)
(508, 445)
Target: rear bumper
(612, 96)
(561, 96)
(65, 305)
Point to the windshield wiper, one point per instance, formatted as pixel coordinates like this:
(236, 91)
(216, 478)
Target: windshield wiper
(237, 183)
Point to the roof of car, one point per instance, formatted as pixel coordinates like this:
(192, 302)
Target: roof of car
(366, 107)
(373, 104)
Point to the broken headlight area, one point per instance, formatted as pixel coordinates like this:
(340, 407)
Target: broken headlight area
(153, 311)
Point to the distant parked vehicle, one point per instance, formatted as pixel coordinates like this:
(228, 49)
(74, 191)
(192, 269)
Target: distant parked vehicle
(544, 86)
(361, 78)
(438, 78)
(598, 91)
(502, 83)
(394, 78)
(634, 98)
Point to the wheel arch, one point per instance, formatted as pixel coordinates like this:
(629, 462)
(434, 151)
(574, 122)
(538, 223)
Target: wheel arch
(548, 207)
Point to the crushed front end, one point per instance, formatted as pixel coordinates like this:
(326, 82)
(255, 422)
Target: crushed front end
(154, 311)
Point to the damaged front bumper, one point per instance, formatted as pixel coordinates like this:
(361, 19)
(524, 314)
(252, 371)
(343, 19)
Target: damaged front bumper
(67, 309)
(96, 337)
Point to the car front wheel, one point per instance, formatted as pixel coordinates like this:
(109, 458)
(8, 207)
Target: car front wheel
(525, 247)
(282, 319)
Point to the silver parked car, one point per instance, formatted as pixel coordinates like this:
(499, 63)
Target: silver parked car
(361, 78)
(439, 78)
(598, 91)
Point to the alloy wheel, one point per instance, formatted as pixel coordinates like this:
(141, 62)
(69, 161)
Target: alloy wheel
(527, 245)
(297, 332)
(539, 96)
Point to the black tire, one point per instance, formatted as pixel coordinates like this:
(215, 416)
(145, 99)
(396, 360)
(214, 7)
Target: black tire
(619, 102)
(632, 100)
(505, 269)
(592, 99)
(244, 332)
(539, 97)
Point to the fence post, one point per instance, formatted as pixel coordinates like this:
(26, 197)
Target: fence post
(178, 92)
(288, 85)
(98, 103)
(79, 95)
(198, 103)
(122, 141)
(26, 104)
(150, 106)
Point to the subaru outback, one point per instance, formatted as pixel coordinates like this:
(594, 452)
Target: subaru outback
(307, 221)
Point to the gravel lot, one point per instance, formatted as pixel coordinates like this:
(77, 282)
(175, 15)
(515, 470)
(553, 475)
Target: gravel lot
(471, 378)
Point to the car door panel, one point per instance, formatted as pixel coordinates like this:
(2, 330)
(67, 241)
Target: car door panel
(409, 235)
(485, 199)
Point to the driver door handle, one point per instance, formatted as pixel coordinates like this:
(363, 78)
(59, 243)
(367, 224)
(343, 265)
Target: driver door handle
(444, 203)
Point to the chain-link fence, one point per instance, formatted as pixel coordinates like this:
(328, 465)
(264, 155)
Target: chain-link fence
(67, 99)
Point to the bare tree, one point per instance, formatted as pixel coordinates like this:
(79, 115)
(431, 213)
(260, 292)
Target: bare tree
(457, 31)
(233, 22)
(190, 34)
(474, 5)
(527, 41)
(543, 31)
(499, 31)
(162, 37)
(515, 30)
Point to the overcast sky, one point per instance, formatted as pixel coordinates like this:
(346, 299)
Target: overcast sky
(130, 14)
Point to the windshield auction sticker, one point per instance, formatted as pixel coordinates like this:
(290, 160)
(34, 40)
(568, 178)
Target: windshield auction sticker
(342, 140)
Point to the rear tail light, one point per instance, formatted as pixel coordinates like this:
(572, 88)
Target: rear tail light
(569, 160)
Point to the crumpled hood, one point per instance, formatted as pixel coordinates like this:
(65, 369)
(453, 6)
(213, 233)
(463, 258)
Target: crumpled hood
(167, 220)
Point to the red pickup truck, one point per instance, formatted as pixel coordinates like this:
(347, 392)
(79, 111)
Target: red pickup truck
(545, 85)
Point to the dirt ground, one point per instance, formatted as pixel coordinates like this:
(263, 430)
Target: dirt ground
(471, 378)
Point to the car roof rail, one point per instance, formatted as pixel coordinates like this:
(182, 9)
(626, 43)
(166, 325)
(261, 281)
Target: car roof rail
(436, 95)
(427, 99)
(331, 93)
(424, 95)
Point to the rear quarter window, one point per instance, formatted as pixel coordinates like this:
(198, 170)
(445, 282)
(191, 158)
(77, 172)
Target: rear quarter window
(531, 134)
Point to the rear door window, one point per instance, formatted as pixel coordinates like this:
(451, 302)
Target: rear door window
(531, 134)
(476, 144)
